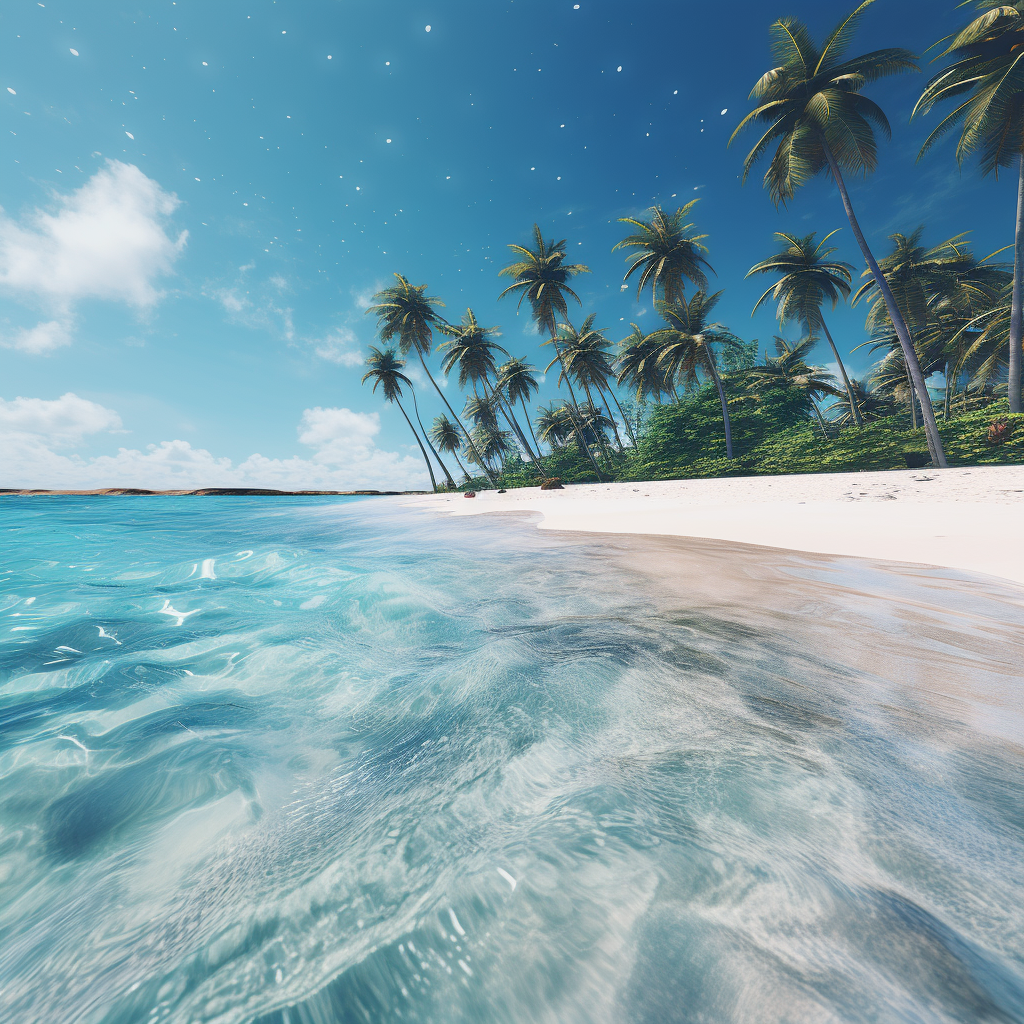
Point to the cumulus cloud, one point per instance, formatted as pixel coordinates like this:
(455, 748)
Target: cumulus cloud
(344, 454)
(339, 346)
(42, 339)
(107, 240)
(59, 422)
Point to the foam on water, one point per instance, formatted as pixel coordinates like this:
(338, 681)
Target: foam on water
(330, 760)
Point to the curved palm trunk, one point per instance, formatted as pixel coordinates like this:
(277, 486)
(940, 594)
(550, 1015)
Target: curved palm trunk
(465, 473)
(455, 417)
(529, 423)
(821, 419)
(511, 420)
(430, 469)
(602, 441)
(611, 416)
(931, 428)
(430, 444)
(625, 418)
(913, 404)
(948, 397)
(725, 404)
(846, 380)
(574, 409)
(1016, 310)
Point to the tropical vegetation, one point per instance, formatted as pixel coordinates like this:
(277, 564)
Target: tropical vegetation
(689, 396)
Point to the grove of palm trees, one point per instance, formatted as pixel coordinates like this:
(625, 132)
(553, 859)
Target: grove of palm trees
(692, 397)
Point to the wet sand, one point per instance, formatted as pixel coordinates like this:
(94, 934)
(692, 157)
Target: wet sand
(968, 519)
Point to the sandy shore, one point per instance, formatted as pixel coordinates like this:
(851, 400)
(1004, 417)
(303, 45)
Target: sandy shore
(969, 519)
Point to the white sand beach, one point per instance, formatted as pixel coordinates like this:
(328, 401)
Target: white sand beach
(968, 519)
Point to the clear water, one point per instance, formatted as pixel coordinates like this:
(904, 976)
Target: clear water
(321, 760)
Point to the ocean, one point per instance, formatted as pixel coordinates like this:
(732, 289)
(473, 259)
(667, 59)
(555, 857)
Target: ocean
(327, 760)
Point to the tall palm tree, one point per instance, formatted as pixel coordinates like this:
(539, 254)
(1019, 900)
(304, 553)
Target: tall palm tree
(639, 368)
(987, 70)
(586, 358)
(405, 311)
(541, 276)
(667, 254)
(807, 280)
(430, 445)
(471, 348)
(385, 370)
(812, 104)
(686, 345)
(448, 438)
(789, 368)
(517, 380)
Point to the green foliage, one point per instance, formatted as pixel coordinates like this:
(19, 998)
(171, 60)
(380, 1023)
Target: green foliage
(773, 435)
(740, 357)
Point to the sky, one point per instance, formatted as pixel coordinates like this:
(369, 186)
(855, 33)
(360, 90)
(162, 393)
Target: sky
(198, 200)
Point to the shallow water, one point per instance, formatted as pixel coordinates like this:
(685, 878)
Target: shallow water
(333, 760)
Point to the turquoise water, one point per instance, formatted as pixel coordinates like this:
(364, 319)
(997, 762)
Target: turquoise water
(296, 760)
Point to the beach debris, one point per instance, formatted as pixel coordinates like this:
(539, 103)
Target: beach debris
(1000, 431)
(470, 494)
(552, 483)
(916, 460)
(501, 490)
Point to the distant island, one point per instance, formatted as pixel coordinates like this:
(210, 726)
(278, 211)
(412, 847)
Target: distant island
(198, 492)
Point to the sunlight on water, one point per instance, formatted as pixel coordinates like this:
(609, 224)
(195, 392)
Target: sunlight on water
(329, 760)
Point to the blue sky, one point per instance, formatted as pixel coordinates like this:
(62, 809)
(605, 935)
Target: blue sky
(199, 198)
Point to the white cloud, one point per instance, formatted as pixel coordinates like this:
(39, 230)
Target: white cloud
(344, 454)
(58, 422)
(106, 241)
(41, 339)
(339, 346)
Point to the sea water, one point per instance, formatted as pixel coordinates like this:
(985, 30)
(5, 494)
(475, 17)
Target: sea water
(316, 760)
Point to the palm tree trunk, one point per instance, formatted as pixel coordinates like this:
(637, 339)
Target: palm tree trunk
(465, 472)
(602, 441)
(821, 419)
(725, 405)
(846, 380)
(469, 440)
(913, 404)
(574, 409)
(430, 469)
(529, 423)
(625, 418)
(510, 418)
(426, 437)
(1016, 308)
(948, 396)
(611, 416)
(931, 428)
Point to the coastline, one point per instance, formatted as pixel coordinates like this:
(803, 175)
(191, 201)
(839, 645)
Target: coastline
(966, 519)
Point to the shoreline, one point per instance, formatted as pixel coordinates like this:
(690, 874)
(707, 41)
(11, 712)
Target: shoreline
(201, 492)
(967, 519)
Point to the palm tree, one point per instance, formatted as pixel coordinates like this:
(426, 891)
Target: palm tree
(639, 367)
(448, 438)
(542, 276)
(788, 368)
(814, 110)
(517, 381)
(470, 348)
(686, 345)
(385, 370)
(587, 359)
(873, 405)
(555, 424)
(667, 254)
(807, 280)
(986, 69)
(426, 437)
(405, 311)
(937, 290)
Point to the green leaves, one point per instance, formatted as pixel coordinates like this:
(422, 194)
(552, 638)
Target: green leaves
(989, 70)
(667, 253)
(404, 311)
(812, 99)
